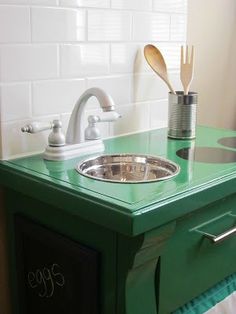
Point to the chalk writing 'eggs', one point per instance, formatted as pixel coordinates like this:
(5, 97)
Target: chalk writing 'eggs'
(45, 280)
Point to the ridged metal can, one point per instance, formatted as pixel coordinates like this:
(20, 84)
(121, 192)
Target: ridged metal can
(182, 115)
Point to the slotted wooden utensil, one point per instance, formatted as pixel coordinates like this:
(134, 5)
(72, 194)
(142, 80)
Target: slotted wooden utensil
(186, 68)
(157, 63)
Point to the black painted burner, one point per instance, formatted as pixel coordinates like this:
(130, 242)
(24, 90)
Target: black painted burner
(207, 154)
(228, 141)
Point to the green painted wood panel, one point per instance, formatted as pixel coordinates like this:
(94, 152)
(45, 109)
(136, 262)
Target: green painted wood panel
(81, 231)
(190, 263)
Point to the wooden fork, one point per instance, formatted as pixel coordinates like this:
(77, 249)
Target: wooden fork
(186, 68)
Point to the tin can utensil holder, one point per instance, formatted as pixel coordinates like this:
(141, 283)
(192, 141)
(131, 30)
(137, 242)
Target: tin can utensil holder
(182, 114)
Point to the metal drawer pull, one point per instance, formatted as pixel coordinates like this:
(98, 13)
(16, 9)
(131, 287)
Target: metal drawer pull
(216, 238)
(221, 237)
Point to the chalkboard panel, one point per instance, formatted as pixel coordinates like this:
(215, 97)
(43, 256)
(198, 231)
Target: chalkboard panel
(55, 274)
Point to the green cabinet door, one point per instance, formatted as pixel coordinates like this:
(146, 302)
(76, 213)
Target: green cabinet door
(69, 228)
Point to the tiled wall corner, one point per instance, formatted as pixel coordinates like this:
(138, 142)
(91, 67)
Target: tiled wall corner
(51, 51)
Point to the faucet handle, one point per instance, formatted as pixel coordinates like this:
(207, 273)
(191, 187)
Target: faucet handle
(55, 138)
(92, 132)
(36, 127)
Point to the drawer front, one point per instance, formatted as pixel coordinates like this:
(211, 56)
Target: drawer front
(201, 252)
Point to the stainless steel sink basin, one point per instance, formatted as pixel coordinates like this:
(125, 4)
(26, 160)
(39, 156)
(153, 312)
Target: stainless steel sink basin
(128, 168)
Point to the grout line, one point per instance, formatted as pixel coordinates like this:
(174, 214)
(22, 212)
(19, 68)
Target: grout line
(83, 42)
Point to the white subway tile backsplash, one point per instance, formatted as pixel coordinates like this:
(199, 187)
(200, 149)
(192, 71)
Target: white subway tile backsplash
(171, 53)
(128, 58)
(109, 25)
(57, 25)
(28, 62)
(36, 2)
(148, 87)
(44, 2)
(14, 2)
(119, 87)
(86, 3)
(15, 101)
(178, 28)
(84, 59)
(57, 97)
(151, 27)
(14, 24)
(170, 6)
(132, 4)
(134, 118)
(175, 80)
(158, 114)
(52, 50)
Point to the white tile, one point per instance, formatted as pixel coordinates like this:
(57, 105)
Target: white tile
(128, 58)
(15, 101)
(132, 4)
(149, 26)
(27, 62)
(86, 3)
(134, 118)
(171, 53)
(14, 1)
(57, 97)
(158, 114)
(57, 25)
(119, 87)
(15, 142)
(36, 2)
(44, 2)
(179, 6)
(178, 28)
(84, 60)
(175, 80)
(65, 117)
(109, 25)
(148, 87)
(14, 24)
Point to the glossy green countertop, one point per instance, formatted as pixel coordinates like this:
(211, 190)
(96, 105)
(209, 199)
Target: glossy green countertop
(130, 208)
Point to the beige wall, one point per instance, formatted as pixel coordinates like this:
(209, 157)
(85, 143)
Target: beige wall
(212, 29)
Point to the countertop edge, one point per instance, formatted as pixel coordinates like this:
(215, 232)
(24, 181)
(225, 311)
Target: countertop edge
(99, 211)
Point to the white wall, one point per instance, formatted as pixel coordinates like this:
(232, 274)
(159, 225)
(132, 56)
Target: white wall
(212, 29)
(52, 50)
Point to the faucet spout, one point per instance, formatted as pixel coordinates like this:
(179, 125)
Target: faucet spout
(75, 132)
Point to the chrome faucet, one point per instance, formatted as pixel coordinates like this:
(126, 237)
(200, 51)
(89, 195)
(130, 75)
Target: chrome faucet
(75, 133)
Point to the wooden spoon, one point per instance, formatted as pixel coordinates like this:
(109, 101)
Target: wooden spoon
(157, 63)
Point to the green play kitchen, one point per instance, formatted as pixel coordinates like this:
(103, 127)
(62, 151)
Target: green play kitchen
(82, 245)
(142, 223)
(117, 157)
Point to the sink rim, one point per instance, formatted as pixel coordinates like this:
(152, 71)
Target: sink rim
(132, 155)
